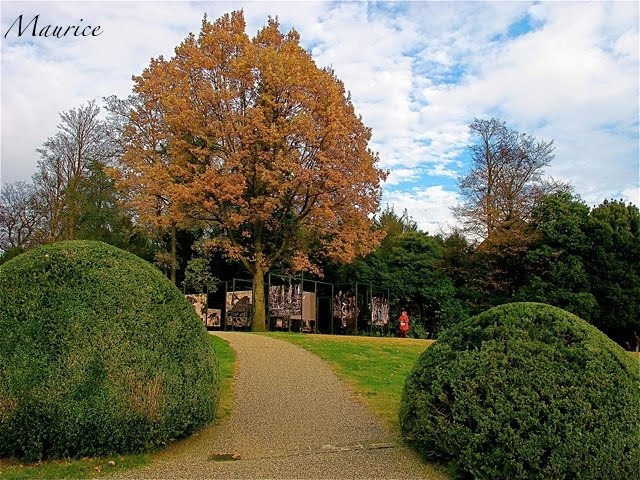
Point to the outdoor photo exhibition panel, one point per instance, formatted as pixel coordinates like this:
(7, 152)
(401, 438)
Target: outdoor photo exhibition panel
(294, 303)
(238, 304)
(361, 308)
(303, 305)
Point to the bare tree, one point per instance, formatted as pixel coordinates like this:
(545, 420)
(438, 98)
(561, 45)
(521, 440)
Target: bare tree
(81, 143)
(505, 180)
(20, 216)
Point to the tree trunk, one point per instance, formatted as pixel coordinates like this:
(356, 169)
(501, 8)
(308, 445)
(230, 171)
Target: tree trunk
(73, 209)
(174, 261)
(259, 310)
(70, 231)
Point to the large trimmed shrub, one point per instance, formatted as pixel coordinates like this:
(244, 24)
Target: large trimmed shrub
(525, 390)
(99, 354)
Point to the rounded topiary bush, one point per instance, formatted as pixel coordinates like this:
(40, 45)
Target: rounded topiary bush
(525, 390)
(99, 354)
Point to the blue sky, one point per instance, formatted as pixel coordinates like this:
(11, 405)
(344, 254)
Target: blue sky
(418, 73)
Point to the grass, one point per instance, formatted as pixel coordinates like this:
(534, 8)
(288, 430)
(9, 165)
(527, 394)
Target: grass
(13, 469)
(68, 468)
(374, 367)
(227, 364)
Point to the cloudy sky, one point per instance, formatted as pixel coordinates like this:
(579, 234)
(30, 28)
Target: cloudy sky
(418, 72)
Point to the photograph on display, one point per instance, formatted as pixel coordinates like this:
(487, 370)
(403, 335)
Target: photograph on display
(285, 301)
(290, 302)
(308, 312)
(239, 308)
(199, 303)
(379, 312)
(213, 317)
(345, 309)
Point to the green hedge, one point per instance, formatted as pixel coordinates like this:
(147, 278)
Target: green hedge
(525, 390)
(99, 354)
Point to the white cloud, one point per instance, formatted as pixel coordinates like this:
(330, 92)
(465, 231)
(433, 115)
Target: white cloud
(42, 77)
(632, 195)
(399, 176)
(574, 79)
(430, 207)
(441, 171)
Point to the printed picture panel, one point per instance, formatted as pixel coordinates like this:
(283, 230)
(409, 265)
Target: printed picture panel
(308, 308)
(285, 301)
(213, 317)
(345, 309)
(199, 303)
(239, 308)
(379, 312)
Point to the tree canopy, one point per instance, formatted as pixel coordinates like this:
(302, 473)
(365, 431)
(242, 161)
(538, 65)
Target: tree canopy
(69, 159)
(554, 265)
(411, 265)
(20, 216)
(70, 195)
(260, 145)
(505, 180)
(613, 267)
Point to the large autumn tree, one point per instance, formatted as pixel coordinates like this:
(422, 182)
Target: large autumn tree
(264, 148)
(145, 171)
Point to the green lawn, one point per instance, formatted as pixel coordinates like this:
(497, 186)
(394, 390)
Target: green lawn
(227, 361)
(11, 469)
(375, 367)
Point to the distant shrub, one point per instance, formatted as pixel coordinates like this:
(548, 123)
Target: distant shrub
(416, 330)
(525, 390)
(99, 354)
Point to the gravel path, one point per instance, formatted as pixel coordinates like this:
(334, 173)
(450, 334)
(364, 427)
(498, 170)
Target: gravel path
(292, 418)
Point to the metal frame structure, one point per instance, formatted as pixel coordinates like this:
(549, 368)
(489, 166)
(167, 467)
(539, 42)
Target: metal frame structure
(363, 294)
(291, 281)
(325, 305)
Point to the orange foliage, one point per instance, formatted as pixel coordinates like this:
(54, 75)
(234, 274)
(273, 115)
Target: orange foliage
(262, 145)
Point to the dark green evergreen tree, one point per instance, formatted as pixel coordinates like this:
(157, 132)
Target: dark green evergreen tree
(613, 267)
(555, 264)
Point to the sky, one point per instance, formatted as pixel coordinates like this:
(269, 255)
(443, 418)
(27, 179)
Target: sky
(418, 73)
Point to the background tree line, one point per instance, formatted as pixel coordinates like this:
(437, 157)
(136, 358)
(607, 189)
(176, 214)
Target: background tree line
(241, 152)
(557, 251)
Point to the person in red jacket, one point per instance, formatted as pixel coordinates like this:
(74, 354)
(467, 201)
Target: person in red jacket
(404, 324)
